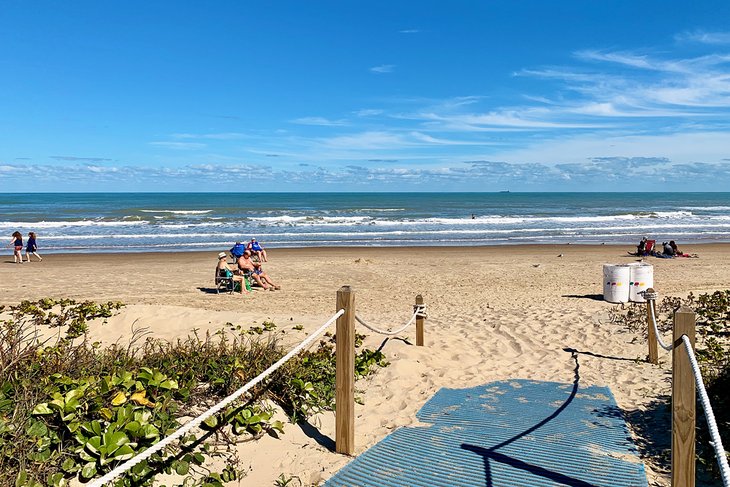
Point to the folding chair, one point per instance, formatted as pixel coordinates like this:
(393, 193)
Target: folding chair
(224, 282)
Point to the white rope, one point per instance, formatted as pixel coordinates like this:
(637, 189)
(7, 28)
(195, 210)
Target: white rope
(213, 410)
(709, 415)
(418, 310)
(656, 329)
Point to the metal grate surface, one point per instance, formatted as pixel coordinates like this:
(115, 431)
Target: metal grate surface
(516, 433)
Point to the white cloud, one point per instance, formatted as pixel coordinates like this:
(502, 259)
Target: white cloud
(364, 140)
(679, 148)
(527, 118)
(383, 68)
(220, 136)
(368, 112)
(704, 37)
(321, 121)
(652, 87)
(179, 145)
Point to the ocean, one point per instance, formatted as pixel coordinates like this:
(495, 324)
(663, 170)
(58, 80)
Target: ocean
(174, 222)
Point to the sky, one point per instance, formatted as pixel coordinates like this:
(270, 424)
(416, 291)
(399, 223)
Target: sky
(365, 96)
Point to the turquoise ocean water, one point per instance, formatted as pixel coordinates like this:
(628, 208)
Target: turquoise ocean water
(132, 222)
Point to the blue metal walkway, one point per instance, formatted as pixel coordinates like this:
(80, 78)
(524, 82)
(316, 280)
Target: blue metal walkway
(516, 433)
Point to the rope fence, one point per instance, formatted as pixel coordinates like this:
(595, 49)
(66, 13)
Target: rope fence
(129, 464)
(419, 310)
(684, 395)
(344, 376)
(716, 441)
(651, 306)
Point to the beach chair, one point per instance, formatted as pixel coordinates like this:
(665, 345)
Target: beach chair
(649, 247)
(224, 282)
(237, 250)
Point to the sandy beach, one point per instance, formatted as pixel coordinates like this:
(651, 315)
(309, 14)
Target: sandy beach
(494, 313)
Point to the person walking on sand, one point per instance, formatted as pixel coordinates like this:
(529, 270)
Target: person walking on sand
(17, 243)
(31, 247)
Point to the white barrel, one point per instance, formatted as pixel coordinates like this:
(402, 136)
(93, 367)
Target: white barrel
(616, 283)
(641, 279)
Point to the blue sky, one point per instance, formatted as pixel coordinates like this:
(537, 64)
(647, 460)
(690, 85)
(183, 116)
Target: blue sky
(365, 96)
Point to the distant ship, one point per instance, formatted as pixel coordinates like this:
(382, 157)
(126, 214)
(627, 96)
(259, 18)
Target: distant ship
(505, 191)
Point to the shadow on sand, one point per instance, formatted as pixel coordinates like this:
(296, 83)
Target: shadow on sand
(594, 297)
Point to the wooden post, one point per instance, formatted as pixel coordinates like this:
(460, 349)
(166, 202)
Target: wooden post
(653, 352)
(345, 373)
(683, 402)
(419, 323)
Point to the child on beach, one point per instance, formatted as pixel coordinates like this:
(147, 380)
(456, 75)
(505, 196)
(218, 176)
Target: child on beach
(32, 247)
(17, 243)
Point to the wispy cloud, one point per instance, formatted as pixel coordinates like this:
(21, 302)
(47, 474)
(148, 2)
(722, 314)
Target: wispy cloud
(79, 159)
(382, 140)
(409, 31)
(218, 136)
(704, 37)
(369, 112)
(526, 118)
(631, 84)
(179, 145)
(383, 68)
(321, 121)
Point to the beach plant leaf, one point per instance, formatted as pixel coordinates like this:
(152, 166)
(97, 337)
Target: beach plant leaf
(41, 409)
(119, 399)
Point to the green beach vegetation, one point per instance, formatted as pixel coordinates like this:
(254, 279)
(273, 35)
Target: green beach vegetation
(71, 409)
(713, 356)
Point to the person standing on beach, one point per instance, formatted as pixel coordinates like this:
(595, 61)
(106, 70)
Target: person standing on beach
(31, 247)
(17, 243)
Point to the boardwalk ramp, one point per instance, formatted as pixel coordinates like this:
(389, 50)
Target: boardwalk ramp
(516, 433)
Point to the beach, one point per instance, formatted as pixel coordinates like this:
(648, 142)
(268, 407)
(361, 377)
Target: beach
(494, 313)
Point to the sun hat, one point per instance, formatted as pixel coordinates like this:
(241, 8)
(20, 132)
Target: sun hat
(222, 255)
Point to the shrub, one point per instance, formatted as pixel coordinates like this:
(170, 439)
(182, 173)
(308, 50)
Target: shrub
(71, 409)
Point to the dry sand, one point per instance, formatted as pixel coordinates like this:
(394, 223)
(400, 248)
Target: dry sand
(494, 313)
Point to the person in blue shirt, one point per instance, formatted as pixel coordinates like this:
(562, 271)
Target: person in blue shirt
(31, 247)
(257, 249)
(237, 250)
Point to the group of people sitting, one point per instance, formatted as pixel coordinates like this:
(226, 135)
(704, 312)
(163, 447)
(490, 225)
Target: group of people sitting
(669, 249)
(248, 269)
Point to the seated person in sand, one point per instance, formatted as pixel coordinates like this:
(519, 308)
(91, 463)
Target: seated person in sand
(222, 270)
(257, 250)
(668, 250)
(252, 269)
(673, 244)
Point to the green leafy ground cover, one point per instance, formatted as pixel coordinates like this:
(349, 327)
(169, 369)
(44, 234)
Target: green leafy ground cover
(70, 409)
(712, 351)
